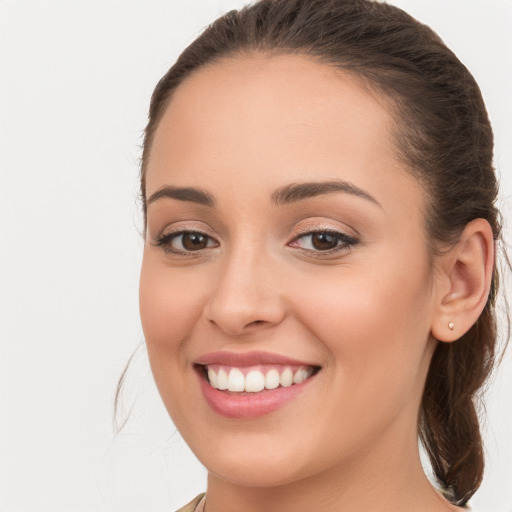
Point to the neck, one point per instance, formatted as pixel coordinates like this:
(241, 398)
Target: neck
(386, 478)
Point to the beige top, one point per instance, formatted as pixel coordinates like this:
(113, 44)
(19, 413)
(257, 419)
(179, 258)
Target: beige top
(196, 505)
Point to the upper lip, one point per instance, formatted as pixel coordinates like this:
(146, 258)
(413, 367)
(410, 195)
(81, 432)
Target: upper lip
(253, 358)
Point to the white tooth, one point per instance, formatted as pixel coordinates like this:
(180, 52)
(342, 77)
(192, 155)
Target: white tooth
(298, 377)
(286, 378)
(212, 377)
(222, 380)
(272, 379)
(308, 373)
(302, 375)
(236, 380)
(254, 381)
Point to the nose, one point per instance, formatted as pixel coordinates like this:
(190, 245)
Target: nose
(246, 295)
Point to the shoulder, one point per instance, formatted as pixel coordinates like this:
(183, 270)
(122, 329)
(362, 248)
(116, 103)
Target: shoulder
(190, 507)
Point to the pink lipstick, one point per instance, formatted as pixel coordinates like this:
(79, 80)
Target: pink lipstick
(251, 384)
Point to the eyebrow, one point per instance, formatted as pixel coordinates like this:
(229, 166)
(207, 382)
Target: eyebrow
(300, 191)
(191, 194)
(285, 195)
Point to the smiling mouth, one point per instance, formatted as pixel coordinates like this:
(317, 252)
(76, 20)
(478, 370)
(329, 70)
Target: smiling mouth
(255, 379)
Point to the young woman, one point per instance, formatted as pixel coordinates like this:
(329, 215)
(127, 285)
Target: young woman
(319, 276)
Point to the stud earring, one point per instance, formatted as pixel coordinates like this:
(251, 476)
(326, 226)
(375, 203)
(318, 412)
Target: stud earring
(451, 326)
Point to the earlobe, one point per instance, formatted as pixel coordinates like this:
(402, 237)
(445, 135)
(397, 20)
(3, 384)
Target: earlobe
(463, 281)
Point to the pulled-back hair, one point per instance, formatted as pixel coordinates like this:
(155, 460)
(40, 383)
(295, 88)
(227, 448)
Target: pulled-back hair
(442, 133)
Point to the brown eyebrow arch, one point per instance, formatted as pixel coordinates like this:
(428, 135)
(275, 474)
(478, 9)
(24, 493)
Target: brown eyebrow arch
(300, 191)
(191, 194)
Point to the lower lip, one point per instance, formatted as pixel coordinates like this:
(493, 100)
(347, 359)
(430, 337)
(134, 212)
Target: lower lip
(249, 405)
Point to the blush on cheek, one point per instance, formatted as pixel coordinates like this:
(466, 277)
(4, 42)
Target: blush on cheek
(169, 307)
(361, 321)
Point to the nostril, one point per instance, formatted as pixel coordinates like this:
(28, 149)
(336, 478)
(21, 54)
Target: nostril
(255, 323)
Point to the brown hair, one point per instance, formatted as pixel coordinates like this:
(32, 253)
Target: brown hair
(442, 133)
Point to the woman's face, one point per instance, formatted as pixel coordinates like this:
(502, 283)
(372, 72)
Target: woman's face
(285, 240)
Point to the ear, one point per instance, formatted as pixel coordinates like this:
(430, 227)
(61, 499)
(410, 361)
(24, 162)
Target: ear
(463, 280)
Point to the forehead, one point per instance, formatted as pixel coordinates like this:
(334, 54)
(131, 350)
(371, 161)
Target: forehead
(274, 120)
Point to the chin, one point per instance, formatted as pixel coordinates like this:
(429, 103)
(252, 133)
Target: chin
(260, 459)
(256, 472)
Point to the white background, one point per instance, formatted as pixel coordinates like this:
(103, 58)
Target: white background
(76, 77)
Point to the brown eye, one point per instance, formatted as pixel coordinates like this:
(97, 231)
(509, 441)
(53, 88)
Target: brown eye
(194, 241)
(324, 241)
(185, 242)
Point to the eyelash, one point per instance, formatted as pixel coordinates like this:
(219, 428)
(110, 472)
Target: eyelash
(343, 241)
(165, 241)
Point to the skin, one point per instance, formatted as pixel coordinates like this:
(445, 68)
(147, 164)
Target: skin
(240, 130)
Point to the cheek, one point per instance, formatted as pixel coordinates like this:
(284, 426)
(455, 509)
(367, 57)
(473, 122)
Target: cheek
(374, 326)
(170, 308)
(372, 321)
(170, 305)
